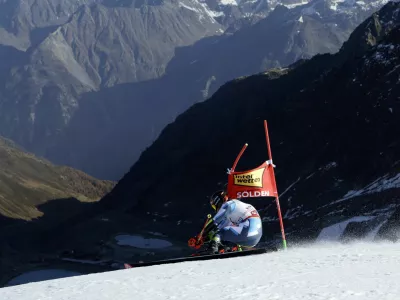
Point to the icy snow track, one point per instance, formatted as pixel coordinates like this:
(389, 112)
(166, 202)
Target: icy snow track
(323, 271)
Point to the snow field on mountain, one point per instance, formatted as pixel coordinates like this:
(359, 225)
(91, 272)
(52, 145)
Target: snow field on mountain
(320, 271)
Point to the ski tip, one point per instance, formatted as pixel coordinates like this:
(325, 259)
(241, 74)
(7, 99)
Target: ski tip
(127, 266)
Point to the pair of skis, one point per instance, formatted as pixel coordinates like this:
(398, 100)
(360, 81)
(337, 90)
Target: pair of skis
(201, 257)
(196, 243)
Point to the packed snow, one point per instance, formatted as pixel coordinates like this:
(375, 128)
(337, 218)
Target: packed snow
(321, 271)
(335, 231)
(140, 242)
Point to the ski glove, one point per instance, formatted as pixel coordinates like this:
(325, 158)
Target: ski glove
(210, 231)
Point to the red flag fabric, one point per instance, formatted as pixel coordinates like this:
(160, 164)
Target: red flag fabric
(258, 182)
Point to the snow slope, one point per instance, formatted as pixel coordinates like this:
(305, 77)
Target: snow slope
(322, 271)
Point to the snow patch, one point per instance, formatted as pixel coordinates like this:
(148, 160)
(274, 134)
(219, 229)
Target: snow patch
(202, 10)
(335, 231)
(290, 186)
(228, 2)
(157, 233)
(293, 212)
(301, 19)
(140, 242)
(293, 5)
(328, 166)
(211, 13)
(311, 175)
(270, 219)
(379, 185)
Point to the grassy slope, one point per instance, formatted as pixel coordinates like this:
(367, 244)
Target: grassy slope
(27, 181)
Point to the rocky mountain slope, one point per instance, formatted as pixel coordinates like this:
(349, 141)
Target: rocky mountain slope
(99, 46)
(27, 182)
(89, 75)
(37, 196)
(334, 126)
(111, 117)
(24, 23)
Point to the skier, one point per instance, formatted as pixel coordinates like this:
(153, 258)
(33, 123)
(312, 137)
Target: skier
(236, 223)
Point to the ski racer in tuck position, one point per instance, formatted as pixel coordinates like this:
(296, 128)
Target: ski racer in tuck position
(235, 225)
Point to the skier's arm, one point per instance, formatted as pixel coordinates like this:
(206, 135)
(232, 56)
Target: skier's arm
(214, 225)
(220, 216)
(210, 229)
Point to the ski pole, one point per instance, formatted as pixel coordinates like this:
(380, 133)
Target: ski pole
(204, 227)
(197, 241)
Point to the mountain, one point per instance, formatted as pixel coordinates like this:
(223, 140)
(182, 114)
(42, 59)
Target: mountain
(334, 127)
(27, 182)
(98, 46)
(23, 23)
(330, 271)
(37, 196)
(111, 117)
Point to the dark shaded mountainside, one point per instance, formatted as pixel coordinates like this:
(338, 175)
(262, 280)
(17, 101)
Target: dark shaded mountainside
(334, 125)
(37, 196)
(27, 182)
(334, 128)
(133, 115)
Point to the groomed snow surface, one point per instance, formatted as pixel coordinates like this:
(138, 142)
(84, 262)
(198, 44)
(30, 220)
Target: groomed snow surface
(327, 271)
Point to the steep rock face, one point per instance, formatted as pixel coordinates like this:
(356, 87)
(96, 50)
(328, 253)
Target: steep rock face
(100, 46)
(193, 75)
(334, 126)
(25, 22)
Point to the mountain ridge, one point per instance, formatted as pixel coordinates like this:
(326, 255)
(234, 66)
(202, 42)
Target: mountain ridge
(193, 75)
(97, 47)
(334, 131)
(305, 117)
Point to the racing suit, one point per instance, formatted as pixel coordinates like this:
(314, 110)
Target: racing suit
(238, 223)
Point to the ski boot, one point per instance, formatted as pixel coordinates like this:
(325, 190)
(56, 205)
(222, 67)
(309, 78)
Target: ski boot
(215, 245)
(237, 248)
(232, 247)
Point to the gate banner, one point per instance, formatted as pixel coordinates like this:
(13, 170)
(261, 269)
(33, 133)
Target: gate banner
(258, 182)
